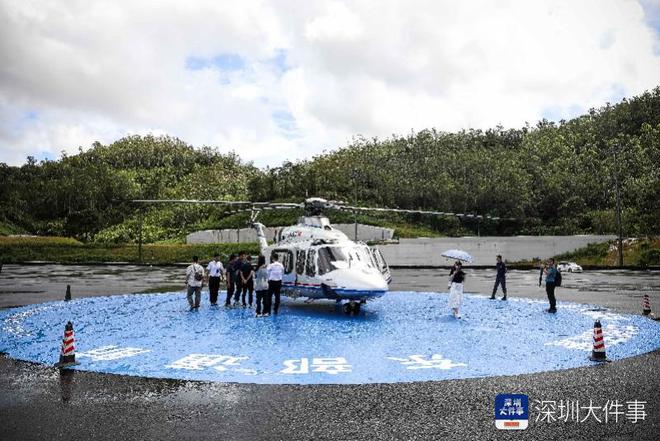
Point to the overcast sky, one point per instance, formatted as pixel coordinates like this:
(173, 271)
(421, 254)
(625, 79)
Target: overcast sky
(278, 80)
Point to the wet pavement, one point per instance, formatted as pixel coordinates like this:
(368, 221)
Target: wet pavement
(28, 284)
(37, 402)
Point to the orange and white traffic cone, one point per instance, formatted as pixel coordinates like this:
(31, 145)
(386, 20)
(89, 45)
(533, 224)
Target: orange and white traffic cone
(598, 353)
(646, 305)
(68, 351)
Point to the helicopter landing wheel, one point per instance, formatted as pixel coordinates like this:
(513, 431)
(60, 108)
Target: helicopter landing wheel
(351, 308)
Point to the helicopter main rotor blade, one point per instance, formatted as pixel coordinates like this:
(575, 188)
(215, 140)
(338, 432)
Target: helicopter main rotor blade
(336, 205)
(270, 205)
(406, 211)
(188, 201)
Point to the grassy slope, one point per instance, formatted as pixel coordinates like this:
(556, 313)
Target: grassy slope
(639, 252)
(7, 228)
(66, 250)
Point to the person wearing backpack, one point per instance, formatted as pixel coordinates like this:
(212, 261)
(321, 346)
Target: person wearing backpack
(194, 282)
(552, 276)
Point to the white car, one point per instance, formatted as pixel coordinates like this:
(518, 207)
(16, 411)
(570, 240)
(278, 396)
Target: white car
(569, 267)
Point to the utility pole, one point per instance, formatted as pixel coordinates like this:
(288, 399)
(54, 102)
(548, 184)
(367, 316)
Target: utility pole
(140, 234)
(618, 209)
(355, 185)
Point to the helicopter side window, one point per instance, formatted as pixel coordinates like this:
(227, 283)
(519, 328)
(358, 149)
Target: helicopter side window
(367, 257)
(359, 256)
(380, 260)
(300, 262)
(327, 255)
(310, 267)
(285, 257)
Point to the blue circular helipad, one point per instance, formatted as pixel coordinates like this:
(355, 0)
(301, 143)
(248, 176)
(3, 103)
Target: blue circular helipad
(402, 337)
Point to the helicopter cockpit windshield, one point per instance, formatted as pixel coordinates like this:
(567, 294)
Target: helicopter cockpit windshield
(328, 256)
(334, 257)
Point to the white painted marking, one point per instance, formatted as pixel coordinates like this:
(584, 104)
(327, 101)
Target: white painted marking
(436, 361)
(329, 365)
(220, 363)
(105, 353)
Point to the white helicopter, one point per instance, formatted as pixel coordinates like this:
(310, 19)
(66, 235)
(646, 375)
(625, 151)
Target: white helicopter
(321, 262)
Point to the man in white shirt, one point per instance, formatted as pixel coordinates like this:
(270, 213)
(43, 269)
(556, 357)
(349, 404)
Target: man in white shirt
(275, 272)
(194, 282)
(215, 272)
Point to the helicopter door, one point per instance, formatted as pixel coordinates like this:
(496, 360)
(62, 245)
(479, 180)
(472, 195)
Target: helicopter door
(300, 262)
(309, 279)
(286, 259)
(310, 266)
(382, 265)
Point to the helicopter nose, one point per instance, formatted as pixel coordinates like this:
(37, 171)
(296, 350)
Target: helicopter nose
(360, 280)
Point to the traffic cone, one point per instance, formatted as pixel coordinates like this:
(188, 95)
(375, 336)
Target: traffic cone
(68, 351)
(646, 305)
(598, 354)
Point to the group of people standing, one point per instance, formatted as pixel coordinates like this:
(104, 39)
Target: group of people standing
(457, 277)
(242, 280)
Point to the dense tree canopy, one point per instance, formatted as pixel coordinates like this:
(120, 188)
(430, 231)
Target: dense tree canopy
(551, 177)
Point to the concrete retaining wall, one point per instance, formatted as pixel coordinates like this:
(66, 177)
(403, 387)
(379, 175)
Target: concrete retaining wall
(239, 235)
(242, 235)
(365, 232)
(426, 251)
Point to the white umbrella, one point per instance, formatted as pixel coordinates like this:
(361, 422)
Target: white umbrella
(458, 255)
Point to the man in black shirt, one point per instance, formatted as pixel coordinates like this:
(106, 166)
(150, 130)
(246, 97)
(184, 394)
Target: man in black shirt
(238, 282)
(246, 275)
(231, 273)
(500, 278)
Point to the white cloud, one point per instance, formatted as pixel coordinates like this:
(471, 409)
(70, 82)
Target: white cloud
(74, 72)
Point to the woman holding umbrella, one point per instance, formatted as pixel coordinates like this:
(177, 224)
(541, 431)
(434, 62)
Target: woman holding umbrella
(456, 278)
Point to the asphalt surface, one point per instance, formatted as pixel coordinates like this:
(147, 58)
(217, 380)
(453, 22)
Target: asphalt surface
(39, 402)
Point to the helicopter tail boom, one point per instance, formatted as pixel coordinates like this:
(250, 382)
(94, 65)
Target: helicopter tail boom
(261, 235)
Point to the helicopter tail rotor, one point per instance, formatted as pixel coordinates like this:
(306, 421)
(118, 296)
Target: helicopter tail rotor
(254, 214)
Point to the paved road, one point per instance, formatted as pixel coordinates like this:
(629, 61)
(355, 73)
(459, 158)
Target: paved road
(37, 402)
